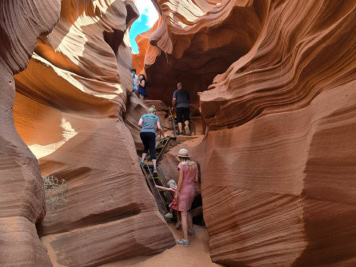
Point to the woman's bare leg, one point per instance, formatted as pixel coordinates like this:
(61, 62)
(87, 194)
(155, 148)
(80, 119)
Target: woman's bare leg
(143, 157)
(142, 97)
(184, 224)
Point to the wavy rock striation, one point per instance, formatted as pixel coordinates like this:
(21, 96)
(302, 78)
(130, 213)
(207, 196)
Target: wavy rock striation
(21, 188)
(199, 41)
(277, 161)
(69, 110)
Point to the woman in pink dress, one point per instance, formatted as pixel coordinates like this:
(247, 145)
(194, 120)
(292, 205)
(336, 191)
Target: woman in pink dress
(188, 175)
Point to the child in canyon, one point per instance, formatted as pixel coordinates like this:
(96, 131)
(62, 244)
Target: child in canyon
(172, 186)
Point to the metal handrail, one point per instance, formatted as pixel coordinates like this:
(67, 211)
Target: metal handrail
(173, 122)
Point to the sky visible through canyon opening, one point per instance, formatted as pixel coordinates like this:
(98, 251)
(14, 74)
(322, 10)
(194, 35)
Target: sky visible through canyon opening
(148, 17)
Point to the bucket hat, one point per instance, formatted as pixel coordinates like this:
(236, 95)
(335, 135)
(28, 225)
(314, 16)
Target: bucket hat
(183, 153)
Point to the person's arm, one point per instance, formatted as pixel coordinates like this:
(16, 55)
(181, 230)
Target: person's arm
(180, 182)
(143, 83)
(164, 188)
(197, 174)
(174, 100)
(160, 129)
(140, 122)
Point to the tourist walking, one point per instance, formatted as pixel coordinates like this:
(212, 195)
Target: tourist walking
(181, 102)
(142, 92)
(148, 123)
(185, 192)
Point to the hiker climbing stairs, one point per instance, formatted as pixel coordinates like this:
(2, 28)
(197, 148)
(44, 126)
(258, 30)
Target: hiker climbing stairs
(172, 117)
(163, 198)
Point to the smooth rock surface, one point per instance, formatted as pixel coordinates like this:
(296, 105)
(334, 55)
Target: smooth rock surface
(21, 188)
(70, 109)
(277, 171)
(195, 41)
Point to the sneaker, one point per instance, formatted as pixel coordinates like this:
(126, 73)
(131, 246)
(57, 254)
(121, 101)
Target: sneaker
(168, 215)
(154, 171)
(142, 164)
(183, 242)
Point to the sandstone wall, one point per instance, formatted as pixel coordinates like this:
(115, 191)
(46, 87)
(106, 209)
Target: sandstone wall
(21, 194)
(69, 110)
(277, 161)
(199, 41)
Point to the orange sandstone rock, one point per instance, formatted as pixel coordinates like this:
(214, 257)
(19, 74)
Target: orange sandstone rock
(21, 188)
(69, 110)
(277, 161)
(199, 41)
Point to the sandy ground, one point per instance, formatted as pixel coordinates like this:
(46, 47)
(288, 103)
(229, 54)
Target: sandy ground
(196, 255)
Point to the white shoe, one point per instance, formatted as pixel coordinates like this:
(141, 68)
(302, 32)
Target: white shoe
(168, 215)
(183, 242)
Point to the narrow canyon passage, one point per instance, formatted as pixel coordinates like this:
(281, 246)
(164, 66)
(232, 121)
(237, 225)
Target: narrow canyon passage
(272, 92)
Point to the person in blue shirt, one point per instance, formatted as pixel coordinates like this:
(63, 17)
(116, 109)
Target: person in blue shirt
(134, 77)
(148, 123)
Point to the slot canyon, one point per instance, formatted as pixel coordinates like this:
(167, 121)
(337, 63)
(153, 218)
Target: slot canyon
(272, 85)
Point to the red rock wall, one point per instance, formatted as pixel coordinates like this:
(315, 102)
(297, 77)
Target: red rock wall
(21, 189)
(200, 40)
(277, 162)
(69, 110)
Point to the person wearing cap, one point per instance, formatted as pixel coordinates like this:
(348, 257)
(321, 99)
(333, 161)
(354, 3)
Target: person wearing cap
(181, 101)
(148, 123)
(185, 192)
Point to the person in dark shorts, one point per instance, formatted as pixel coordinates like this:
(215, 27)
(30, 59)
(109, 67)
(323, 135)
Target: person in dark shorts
(142, 92)
(181, 101)
(148, 123)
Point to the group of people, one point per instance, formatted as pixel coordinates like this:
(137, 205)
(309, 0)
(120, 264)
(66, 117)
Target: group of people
(184, 193)
(139, 84)
(180, 101)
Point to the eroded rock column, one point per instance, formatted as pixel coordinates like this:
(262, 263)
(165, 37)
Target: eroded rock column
(69, 110)
(21, 189)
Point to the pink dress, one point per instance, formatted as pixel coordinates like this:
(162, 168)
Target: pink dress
(187, 191)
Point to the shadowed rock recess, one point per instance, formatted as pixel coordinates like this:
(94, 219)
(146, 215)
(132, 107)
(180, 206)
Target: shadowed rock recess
(68, 109)
(277, 83)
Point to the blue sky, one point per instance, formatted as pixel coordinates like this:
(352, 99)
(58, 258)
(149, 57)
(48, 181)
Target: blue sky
(148, 17)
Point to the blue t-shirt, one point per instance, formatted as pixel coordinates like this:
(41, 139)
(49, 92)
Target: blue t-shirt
(135, 83)
(149, 123)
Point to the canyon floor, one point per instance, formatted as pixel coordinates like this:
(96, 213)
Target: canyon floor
(196, 255)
